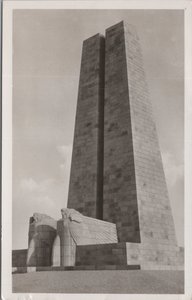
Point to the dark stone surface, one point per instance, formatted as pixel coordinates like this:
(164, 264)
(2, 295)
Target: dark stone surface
(101, 255)
(19, 258)
(120, 198)
(86, 180)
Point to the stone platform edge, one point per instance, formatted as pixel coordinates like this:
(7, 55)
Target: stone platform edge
(16, 270)
(118, 256)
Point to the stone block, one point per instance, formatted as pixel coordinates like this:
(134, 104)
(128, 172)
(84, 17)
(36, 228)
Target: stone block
(19, 258)
(101, 255)
(155, 257)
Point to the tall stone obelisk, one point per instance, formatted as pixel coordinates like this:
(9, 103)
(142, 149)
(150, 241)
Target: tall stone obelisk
(117, 172)
(135, 191)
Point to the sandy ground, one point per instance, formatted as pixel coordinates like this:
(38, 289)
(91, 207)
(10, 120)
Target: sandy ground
(124, 282)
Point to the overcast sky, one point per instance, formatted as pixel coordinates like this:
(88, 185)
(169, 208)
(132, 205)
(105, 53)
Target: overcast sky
(46, 64)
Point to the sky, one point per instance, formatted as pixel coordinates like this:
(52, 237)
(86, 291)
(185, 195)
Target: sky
(47, 48)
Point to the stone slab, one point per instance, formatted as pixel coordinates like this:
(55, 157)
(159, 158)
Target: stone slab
(19, 258)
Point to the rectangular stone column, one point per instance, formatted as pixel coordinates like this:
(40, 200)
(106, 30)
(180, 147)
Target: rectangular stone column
(120, 195)
(135, 192)
(86, 179)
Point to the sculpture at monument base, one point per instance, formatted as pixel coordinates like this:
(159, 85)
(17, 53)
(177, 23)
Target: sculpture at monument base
(53, 243)
(42, 232)
(64, 247)
(87, 243)
(73, 230)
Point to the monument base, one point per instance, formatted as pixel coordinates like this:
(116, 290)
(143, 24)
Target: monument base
(147, 256)
(77, 242)
(155, 256)
(118, 256)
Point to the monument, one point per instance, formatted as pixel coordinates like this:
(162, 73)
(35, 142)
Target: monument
(118, 215)
(126, 152)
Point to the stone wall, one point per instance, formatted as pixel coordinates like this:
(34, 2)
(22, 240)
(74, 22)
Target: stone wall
(98, 255)
(156, 221)
(19, 258)
(155, 257)
(125, 255)
(86, 179)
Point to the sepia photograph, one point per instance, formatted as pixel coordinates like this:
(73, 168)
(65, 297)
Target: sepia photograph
(97, 141)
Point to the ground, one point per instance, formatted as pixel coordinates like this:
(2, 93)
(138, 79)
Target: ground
(121, 282)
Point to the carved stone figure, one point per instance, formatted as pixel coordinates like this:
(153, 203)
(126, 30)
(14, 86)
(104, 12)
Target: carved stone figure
(77, 226)
(42, 232)
(71, 231)
(76, 229)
